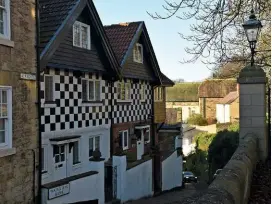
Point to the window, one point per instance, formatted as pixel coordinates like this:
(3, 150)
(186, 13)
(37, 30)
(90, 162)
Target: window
(124, 91)
(48, 88)
(91, 90)
(76, 152)
(142, 92)
(59, 153)
(94, 143)
(146, 135)
(138, 53)
(81, 35)
(5, 117)
(123, 135)
(5, 19)
(159, 94)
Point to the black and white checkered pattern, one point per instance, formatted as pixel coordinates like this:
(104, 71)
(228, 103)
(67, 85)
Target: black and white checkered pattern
(69, 113)
(136, 110)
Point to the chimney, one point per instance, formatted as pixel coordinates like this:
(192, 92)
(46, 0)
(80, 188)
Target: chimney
(124, 24)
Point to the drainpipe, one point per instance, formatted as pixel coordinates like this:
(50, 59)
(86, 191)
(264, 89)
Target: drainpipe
(38, 75)
(111, 117)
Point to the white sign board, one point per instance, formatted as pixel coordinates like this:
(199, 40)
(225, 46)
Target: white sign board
(28, 76)
(58, 191)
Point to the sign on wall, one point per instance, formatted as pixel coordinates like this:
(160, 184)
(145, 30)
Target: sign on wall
(58, 191)
(28, 76)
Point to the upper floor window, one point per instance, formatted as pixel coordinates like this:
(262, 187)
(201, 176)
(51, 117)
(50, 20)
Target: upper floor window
(142, 92)
(138, 53)
(5, 19)
(159, 94)
(48, 88)
(81, 35)
(124, 91)
(91, 90)
(5, 117)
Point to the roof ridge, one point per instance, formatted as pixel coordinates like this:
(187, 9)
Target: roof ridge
(123, 23)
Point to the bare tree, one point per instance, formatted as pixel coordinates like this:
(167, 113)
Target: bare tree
(218, 33)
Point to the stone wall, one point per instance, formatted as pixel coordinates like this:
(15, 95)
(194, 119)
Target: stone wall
(18, 56)
(234, 110)
(232, 185)
(208, 107)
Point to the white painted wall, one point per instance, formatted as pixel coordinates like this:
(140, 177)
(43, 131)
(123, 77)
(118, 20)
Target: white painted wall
(186, 111)
(223, 113)
(172, 172)
(83, 189)
(85, 165)
(134, 183)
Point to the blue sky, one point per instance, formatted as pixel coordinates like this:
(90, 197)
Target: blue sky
(168, 45)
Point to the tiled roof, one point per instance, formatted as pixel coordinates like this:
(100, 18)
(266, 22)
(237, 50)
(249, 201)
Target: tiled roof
(228, 99)
(166, 80)
(120, 37)
(52, 14)
(217, 88)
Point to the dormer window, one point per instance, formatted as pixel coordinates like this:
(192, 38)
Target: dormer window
(81, 35)
(138, 53)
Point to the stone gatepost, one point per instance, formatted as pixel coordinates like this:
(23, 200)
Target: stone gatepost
(252, 93)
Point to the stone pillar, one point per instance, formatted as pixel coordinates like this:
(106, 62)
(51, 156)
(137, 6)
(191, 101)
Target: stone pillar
(120, 162)
(252, 93)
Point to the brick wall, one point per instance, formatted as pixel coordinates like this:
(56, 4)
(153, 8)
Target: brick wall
(208, 107)
(16, 167)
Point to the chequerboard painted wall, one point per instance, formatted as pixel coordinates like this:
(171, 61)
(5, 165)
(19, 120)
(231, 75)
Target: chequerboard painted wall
(69, 113)
(136, 110)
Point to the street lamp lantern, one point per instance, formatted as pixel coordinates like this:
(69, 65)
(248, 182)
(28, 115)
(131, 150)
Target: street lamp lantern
(252, 29)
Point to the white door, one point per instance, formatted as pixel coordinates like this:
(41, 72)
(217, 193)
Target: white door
(227, 113)
(220, 113)
(60, 153)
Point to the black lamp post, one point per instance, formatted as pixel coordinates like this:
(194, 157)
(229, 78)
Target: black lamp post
(252, 29)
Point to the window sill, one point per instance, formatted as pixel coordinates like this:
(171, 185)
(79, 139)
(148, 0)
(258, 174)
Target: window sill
(143, 101)
(92, 103)
(124, 101)
(7, 152)
(49, 104)
(6, 42)
(44, 172)
(137, 61)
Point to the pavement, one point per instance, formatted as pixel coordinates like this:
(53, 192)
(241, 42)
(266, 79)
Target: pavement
(176, 196)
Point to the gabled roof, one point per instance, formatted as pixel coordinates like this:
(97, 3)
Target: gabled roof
(166, 81)
(216, 88)
(183, 92)
(123, 36)
(228, 99)
(57, 17)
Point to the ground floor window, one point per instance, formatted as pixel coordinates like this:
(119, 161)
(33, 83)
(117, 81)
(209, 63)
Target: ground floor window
(123, 135)
(76, 152)
(94, 143)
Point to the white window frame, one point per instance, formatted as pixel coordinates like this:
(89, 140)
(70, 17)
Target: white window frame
(136, 58)
(53, 87)
(6, 20)
(94, 144)
(159, 94)
(148, 141)
(80, 24)
(127, 90)
(123, 141)
(142, 92)
(79, 157)
(88, 92)
(8, 121)
(44, 159)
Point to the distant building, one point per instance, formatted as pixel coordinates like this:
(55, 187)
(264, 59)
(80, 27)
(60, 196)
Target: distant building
(184, 98)
(211, 92)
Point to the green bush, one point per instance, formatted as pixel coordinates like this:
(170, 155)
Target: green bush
(234, 127)
(222, 148)
(197, 119)
(203, 140)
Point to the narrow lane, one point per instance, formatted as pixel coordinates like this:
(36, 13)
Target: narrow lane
(173, 196)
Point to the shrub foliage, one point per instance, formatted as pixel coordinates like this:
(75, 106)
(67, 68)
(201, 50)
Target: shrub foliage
(197, 119)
